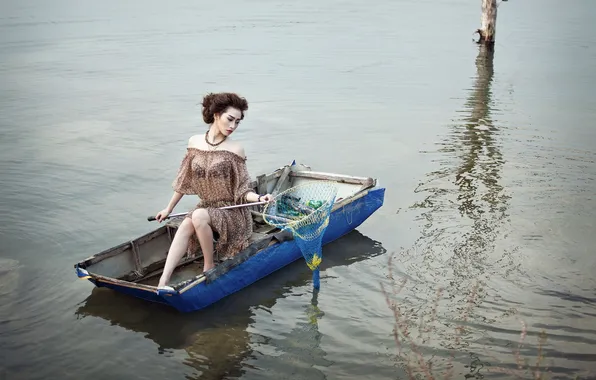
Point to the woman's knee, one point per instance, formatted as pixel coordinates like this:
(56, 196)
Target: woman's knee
(200, 218)
(186, 227)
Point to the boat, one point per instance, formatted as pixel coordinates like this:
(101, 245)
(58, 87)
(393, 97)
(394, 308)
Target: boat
(199, 335)
(134, 267)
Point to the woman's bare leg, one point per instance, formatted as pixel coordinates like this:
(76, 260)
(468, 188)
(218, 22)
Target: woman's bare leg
(202, 224)
(177, 250)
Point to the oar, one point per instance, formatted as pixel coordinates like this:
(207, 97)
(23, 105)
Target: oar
(152, 218)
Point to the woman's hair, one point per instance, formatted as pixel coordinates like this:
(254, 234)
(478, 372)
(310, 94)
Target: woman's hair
(218, 103)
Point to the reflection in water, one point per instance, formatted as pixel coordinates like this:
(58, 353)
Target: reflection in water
(481, 199)
(463, 221)
(482, 160)
(10, 278)
(217, 340)
(464, 211)
(465, 249)
(296, 353)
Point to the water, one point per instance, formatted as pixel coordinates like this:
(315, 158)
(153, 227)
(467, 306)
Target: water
(488, 159)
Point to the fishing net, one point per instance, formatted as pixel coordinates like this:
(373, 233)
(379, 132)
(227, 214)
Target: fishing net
(304, 211)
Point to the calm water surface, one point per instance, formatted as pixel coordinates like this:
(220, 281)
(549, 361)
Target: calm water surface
(488, 158)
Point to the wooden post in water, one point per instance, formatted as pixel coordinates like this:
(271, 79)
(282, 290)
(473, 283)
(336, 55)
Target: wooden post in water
(488, 22)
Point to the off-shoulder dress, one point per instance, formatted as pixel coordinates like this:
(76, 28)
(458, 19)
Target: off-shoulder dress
(219, 178)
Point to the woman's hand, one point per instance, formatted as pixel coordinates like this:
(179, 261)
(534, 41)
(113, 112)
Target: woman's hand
(265, 198)
(162, 215)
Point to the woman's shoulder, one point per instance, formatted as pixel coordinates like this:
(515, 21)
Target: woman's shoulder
(237, 148)
(196, 141)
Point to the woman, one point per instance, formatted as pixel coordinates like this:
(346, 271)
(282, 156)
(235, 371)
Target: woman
(214, 168)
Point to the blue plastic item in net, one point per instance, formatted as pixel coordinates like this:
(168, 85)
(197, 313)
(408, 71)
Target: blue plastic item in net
(304, 210)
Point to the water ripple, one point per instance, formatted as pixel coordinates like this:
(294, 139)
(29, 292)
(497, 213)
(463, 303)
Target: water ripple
(98, 105)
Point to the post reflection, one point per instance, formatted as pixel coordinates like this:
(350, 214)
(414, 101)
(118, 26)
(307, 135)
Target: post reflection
(465, 207)
(481, 157)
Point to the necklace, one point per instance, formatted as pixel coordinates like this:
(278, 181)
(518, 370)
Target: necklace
(213, 144)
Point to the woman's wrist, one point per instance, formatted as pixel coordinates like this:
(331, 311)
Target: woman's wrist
(252, 197)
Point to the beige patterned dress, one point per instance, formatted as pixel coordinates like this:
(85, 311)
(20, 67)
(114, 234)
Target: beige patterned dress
(219, 178)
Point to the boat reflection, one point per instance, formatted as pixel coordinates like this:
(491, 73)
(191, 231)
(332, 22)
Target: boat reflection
(216, 339)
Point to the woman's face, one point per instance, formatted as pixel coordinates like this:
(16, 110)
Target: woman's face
(228, 121)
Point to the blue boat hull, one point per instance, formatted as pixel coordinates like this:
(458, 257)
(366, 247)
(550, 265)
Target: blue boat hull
(342, 221)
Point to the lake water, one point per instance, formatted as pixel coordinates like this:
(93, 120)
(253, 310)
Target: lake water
(488, 159)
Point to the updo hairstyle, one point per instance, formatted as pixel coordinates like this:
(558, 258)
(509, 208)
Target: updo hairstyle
(220, 102)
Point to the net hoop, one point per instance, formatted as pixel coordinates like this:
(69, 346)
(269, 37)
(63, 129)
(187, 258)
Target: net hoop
(291, 224)
(304, 210)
